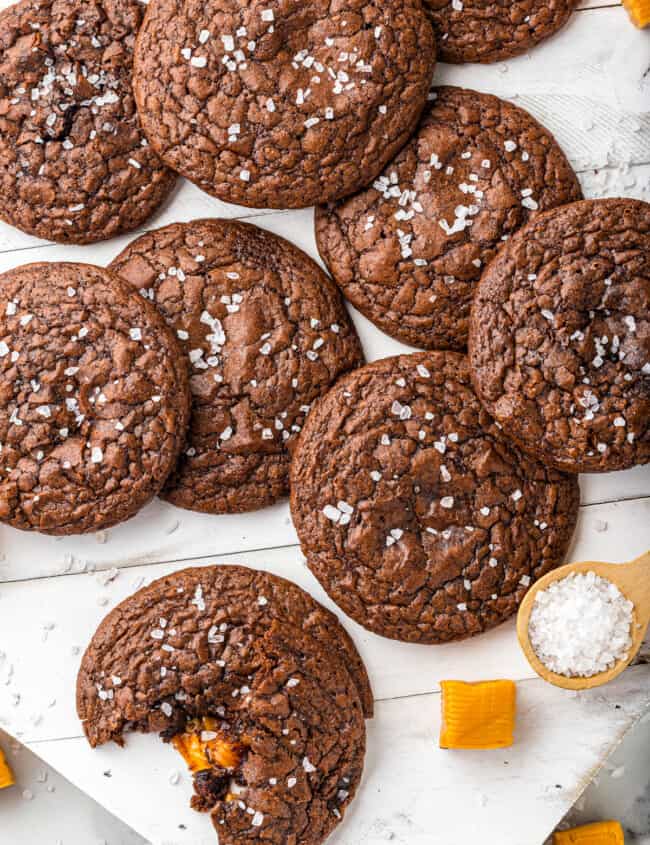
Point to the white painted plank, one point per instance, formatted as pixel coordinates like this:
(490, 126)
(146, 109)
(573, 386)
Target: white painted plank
(509, 797)
(591, 91)
(57, 812)
(160, 532)
(596, 488)
(412, 792)
(40, 663)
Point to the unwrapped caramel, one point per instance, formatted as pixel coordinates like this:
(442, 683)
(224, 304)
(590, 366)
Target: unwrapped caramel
(600, 833)
(477, 715)
(6, 775)
(639, 11)
(204, 746)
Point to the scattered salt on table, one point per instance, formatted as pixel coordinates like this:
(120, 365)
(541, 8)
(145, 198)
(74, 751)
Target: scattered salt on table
(580, 625)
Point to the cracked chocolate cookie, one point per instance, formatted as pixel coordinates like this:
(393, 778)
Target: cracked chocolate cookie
(94, 399)
(494, 30)
(282, 105)
(74, 164)
(418, 517)
(253, 682)
(266, 333)
(408, 250)
(560, 336)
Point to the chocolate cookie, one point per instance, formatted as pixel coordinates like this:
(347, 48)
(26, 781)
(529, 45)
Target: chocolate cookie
(416, 515)
(94, 399)
(253, 682)
(408, 251)
(74, 164)
(266, 333)
(560, 336)
(282, 105)
(494, 30)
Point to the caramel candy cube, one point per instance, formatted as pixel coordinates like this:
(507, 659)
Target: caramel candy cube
(477, 715)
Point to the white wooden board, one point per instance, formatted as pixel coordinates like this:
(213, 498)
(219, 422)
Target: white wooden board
(47, 809)
(412, 793)
(38, 669)
(590, 85)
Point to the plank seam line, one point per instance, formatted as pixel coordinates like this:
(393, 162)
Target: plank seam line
(137, 233)
(376, 700)
(101, 567)
(137, 564)
(600, 502)
(595, 8)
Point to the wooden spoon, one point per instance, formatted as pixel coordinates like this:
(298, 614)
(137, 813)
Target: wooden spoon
(632, 579)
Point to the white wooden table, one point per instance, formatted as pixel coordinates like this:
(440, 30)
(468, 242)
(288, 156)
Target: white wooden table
(45, 808)
(591, 86)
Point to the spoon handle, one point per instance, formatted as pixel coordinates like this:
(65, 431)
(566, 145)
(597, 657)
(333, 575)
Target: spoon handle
(641, 566)
(642, 560)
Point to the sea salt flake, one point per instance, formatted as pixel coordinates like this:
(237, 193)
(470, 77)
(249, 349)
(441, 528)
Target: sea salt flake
(332, 513)
(630, 322)
(198, 599)
(401, 411)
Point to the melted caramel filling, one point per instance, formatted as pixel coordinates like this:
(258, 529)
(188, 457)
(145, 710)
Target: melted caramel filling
(203, 747)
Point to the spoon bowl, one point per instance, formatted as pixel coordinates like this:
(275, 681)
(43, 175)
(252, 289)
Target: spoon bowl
(632, 579)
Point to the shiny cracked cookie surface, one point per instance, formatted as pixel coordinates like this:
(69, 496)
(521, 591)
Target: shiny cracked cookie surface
(74, 163)
(265, 332)
(418, 517)
(560, 336)
(408, 250)
(262, 675)
(494, 30)
(279, 105)
(95, 399)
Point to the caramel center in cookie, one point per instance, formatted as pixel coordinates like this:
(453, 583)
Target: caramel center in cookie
(214, 757)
